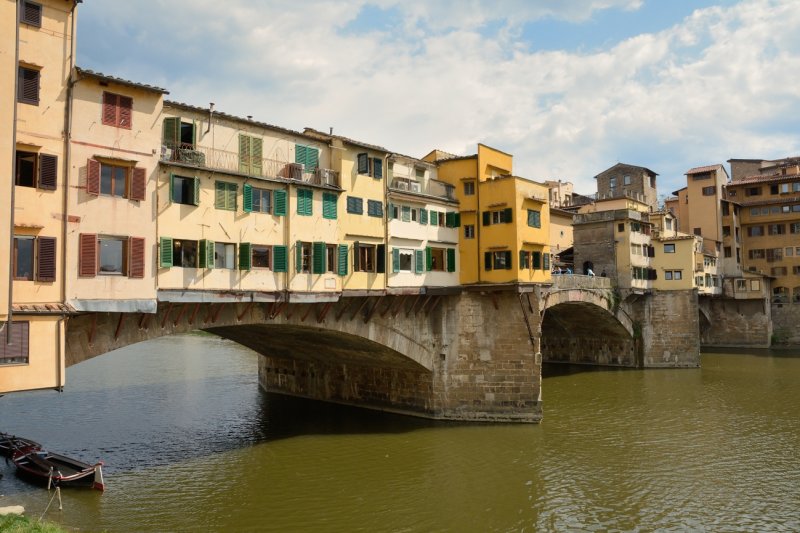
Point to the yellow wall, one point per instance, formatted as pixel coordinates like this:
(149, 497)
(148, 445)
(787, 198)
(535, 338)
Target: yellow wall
(314, 228)
(493, 162)
(44, 369)
(456, 172)
(683, 259)
(560, 231)
(8, 18)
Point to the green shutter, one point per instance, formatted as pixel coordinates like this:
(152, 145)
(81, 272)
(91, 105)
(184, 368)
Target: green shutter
(342, 270)
(300, 153)
(312, 158)
(487, 218)
(522, 258)
(171, 188)
(206, 253)
(390, 211)
(434, 218)
(449, 219)
(428, 258)
(244, 153)
(380, 260)
(247, 198)
(172, 132)
(536, 260)
(256, 155)
(279, 258)
(298, 256)
(304, 201)
(329, 205)
(395, 259)
(319, 258)
(419, 266)
(507, 215)
(230, 195)
(546, 261)
(355, 256)
(377, 167)
(487, 261)
(219, 194)
(457, 220)
(451, 259)
(280, 203)
(509, 266)
(405, 214)
(196, 199)
(423, 216)
(165, 252)
(245, 256)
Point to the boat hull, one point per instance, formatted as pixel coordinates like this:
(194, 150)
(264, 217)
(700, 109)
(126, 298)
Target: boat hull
(52, 469)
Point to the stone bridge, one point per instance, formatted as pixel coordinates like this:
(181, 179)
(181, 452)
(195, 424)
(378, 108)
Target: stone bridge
(471, 354)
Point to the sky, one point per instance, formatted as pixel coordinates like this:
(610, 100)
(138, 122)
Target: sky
(569, 87)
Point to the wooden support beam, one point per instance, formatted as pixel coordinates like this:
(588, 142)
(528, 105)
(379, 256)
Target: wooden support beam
(119, 324)
(413, 305)
(371, 312)
(289, 312)
(246, 309)
(166, 315)
(327, 307)
(277, 309)
(93, 329)
(180, 315)
(360, 307)
(344, 308)
(400, 301)
(392, 302)
(424, 304)
(309, 308)
(493, 296)
(437, 300)
(194, 313)
(219, 310)
(143, 320)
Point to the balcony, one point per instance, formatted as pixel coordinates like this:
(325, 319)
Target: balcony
(430, 188)
(213, 159)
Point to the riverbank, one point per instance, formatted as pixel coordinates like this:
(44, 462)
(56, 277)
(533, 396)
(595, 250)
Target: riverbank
(24, 524)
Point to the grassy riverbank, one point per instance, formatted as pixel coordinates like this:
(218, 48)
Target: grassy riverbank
(24, 524)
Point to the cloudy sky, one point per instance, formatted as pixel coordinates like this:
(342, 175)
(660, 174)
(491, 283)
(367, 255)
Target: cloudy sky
(570, 87)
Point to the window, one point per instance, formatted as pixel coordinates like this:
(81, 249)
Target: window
(260, 198)
(436, 259)
(612, 182)
(668, 223)
(469, 231)
(709, 191)
(250, 154)
(405, 213)
(364, 258)
(778, 271)
(117, 110)
(741, 285)
(673, 275)
(788, 252)
(621, 227)
(181, 137)
(796, 186)
(784, 188)
(669, 248)
(184, 190)
(112, 255)
(36, 170)
(755, 211)
(330, 258)
(726, 231)
(698, 231)
(774, 254)
(534, 219)
(728, 252)
(31, 14)
(308, 156)
(626, 179)
(469, 188)
(757, 253)
(794, 227)
(113, 180)
(184, 254)
(524, 259)
(370, 166)
(434, 217)
(502, 216)
(752, 191)
(17, 351)
(329, 201)
(23, 258)
(224, 255)
(28, 86)
(755, 231)
(726, 209)
(497, 260)
(375, 208)
(776, 229)
(261, 256)
(355, 205)
(405, 260)
(225, 195)
(303, 257)
(305, 202)
(773, 189)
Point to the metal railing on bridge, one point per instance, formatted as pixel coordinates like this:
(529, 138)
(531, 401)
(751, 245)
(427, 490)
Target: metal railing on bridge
(579, 281)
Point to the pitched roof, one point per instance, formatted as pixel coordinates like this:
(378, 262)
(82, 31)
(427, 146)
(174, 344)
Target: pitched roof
(764, 179)
(707, 168)
(83, 72)
(319, 134)
(628, 165)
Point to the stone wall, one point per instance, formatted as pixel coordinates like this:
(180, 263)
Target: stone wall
(786, 325)
(728, 322)
(669, 326)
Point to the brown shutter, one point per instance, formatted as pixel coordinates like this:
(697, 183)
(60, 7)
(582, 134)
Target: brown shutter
(87, 255)
(138, 184)
(125, 109)
(93, 177)
(136, 247)
(48, 171)
(110, 109)
(46, 259)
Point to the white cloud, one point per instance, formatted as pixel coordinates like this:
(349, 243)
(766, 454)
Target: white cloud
(716, 85)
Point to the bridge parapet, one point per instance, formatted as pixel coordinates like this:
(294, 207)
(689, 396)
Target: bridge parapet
(579, 281)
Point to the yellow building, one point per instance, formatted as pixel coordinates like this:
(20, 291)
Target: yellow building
(505, 219)
(37, 42)
(246, 211)
(111, 228)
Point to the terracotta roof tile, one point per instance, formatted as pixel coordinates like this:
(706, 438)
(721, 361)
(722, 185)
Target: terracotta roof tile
(698, 170)
(99, 75)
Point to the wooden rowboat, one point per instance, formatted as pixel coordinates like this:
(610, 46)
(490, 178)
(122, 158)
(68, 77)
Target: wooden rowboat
(9, 444)
(53, 469)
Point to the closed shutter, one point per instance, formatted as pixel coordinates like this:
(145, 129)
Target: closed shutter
(318, 266)
(298, 256)
(457, 220)
(231, 190)
(136, 251)
(451, 259)
(377, 168)
(395, 259)
(380, 262)
(138, 184)
(522, 257)
(419, 262)
(329, 205)
(172, 132)
(245, 256)
(423, 216)
(280, 203)
(363, 164)
(257, 155)
(300, 154)
(206, 253)
(244, 153)
(196, 199)
(356, 250)
(546, 261)
(487, 218)
(537, 260)
(312, 158)
(110, 109)
(507, 215)
(508, 260)
(450, 220)
(305, 198)
(390, 210)
(219, 195)
(87, 255)
(48, 171)
(45, 259)
(31, 14)
(125, 112)
(428, 258)
(28, 86)
(487, 261)
(342, 260)
(279, 258)
(434, 218)
(165, 252)
(93, 177)
(247, 198)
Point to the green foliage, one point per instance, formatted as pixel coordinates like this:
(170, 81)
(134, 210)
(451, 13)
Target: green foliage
(23, 524)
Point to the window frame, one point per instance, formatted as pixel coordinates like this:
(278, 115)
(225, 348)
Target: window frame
(178, 250)
(24, 17)
(123, 253)
(258, 206)
(221, 260)
(29, 81)
(116, 110)
(126, 178)
(228, 192)
(15, 257)
(469, 188)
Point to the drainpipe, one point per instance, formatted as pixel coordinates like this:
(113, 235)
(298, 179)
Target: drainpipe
(12, 181)
(478, 219)
(67, 157)
(386, 219)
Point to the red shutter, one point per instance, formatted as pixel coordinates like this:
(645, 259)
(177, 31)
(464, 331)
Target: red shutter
(136, 247)
(87, 255)
(46, 259)
(138, 184)
(48, 171)
(110, 103)
(125, 110)
(93, 177)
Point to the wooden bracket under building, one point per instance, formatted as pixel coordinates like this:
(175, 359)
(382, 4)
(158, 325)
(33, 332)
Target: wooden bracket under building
(93, 329)
(144, 320)
(246, 309)
(344, 308)
(219, 310)
(194, 313)
(360, 307)
(413, 305)
(166, 315)
(119, 325)
(325, 309)
(400, 301)
(371, 312)
(424, 304)
(436, 301)
(180, 315)
(308, 312)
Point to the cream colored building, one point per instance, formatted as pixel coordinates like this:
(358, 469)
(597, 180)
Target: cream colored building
(37, 47)
(423, 227)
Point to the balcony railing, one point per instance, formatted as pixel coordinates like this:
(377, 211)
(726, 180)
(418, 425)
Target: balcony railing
(431, 187)
(212, 158)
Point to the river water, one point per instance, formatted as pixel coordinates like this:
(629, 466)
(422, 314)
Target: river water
(190, 443)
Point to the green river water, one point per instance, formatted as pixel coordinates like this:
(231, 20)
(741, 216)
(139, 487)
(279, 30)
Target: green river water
(190, 443)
